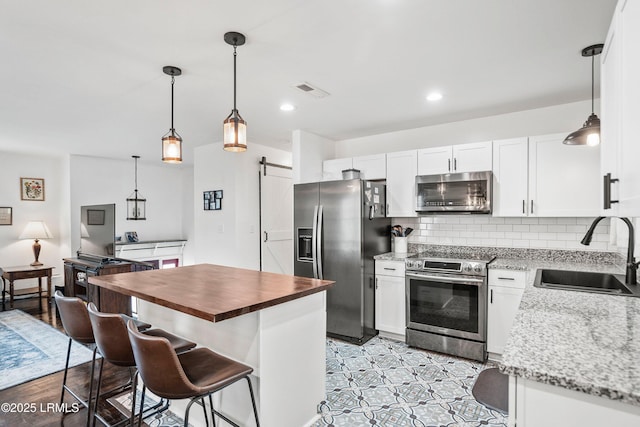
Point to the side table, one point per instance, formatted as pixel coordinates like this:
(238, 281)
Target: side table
(25, 272)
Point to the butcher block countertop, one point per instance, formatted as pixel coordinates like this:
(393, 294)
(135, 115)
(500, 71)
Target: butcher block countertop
(211, 292)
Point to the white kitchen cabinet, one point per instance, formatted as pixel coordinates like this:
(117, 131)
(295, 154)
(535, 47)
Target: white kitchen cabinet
(624, 100)
(510, 177)
(371, 167)
(505, 292)
(332, 169)
(535, 404)
(402, 168)
(390, 304)
(455, 158)
(564, 180)
(610, 106)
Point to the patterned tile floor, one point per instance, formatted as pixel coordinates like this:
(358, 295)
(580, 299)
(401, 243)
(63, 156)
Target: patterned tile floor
(386, 383)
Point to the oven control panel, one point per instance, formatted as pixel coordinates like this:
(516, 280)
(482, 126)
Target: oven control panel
(471, 268)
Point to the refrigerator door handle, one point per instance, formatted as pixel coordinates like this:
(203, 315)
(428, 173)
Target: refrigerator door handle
(319, 243)
(314, 240)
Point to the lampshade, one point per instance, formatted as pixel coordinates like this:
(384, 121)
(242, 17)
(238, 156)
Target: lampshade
(36, 230)
(589, 133)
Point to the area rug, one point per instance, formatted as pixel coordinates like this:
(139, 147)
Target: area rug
(32, 349)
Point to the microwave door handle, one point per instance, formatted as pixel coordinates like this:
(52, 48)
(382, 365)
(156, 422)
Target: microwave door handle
(314, 239)
(319, 243)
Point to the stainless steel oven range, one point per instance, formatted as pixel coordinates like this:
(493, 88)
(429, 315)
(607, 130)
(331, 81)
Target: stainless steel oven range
(447, 304)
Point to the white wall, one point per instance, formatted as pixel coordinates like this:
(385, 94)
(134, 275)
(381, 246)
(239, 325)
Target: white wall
(167, 188)
(309, 151)
(541, 121)
(230, 236)
(53, 210)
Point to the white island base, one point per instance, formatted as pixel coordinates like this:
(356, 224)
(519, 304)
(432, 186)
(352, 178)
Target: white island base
(534, 404)
(285, 345)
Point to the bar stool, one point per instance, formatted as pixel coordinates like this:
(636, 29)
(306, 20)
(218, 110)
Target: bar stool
(112, 340)
(193, 375)
(77, 326)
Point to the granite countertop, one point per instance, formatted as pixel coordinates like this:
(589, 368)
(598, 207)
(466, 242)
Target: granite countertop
(393, 256)
(580, 341)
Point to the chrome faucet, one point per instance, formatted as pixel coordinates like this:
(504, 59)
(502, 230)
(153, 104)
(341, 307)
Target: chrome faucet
(632, 265)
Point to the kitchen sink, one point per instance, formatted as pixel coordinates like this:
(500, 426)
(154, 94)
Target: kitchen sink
(584, 281)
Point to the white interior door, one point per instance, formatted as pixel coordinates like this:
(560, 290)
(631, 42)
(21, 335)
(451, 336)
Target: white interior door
(276, 210)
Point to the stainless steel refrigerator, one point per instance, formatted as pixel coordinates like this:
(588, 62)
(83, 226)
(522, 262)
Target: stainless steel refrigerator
(339, 227)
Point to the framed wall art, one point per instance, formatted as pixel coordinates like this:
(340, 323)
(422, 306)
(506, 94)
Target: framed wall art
(212, 200)
(6, 216)
(32, 189)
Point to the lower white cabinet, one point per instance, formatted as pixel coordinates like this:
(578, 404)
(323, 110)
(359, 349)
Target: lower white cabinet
(505, 291)
(390, 298)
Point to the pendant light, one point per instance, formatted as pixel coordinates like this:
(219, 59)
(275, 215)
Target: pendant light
(235, 128)
(136, 204)
(172, 142)
(589, 133)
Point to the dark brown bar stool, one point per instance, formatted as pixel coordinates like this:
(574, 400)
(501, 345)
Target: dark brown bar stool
(193, 375)
(77, 326)
(112, 340)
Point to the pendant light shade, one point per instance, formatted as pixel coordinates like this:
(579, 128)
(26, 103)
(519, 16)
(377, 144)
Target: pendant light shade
(235, 128)
(136, 203)
(172, 142)
(589, 133)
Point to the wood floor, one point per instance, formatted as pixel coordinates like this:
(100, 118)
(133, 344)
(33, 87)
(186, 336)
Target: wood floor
(45, 392)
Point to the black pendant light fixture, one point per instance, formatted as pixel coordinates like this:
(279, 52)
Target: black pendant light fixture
(589, 133)
(136, 204)
(235, 128)
(172, 142)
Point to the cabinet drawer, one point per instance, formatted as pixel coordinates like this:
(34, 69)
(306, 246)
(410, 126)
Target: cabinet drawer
(390, 268)
(508, 278)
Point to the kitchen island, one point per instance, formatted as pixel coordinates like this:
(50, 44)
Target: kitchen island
(272, 322)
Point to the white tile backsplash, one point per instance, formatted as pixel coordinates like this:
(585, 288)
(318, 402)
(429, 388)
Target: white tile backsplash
(484, 230)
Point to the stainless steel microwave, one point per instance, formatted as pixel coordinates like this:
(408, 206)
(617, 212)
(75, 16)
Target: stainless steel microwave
(468, 192)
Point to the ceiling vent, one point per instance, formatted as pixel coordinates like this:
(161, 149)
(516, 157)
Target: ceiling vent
(311, 90)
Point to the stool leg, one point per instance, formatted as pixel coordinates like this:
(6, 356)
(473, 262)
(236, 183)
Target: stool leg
(213, 412)
(95, 407)
(66, 370)
(134, 391)
(93, 366)
(253, 401)
(204, 409)
(141, 406)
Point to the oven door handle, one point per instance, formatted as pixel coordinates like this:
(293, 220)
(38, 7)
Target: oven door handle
(467, 281)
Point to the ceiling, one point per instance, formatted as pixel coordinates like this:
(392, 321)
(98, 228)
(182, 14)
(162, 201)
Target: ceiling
(85, 77)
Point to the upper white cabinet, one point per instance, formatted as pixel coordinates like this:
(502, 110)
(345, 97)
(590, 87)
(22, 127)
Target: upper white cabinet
(371, 167)
(510, 177)
(563, 179)
(540, 176)
(455, 158)
(402, 168)
(620, 108)
(332, 169)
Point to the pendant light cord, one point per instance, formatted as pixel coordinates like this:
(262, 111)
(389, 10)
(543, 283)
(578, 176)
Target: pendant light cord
(235, 54)
(592, 84)
(173, 79)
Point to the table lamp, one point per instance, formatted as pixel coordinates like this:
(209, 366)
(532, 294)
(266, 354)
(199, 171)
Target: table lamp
(36, 230)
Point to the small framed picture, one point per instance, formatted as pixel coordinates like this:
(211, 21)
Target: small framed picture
(32, 189)
(95, 217)
(6, 216)
(212, 200)
(131, 236)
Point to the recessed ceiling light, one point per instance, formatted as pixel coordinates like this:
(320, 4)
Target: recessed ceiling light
(287, 107)
(434, 96)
